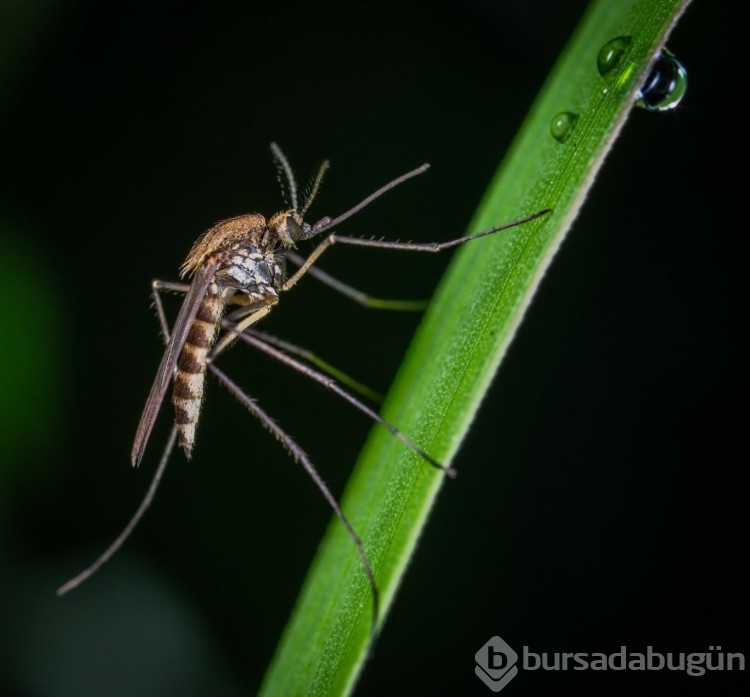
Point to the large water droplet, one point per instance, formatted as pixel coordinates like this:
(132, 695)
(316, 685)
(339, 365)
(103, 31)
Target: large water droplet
(610, 55)
(666, 84)
(562, 125)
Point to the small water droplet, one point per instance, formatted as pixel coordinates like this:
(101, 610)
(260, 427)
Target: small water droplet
(562, 125)
(610, 55)
(666, 84)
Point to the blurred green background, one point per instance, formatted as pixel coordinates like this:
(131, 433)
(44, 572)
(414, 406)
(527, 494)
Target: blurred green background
(602, 492)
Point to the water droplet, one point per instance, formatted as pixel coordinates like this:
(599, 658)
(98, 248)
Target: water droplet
(610, 55)
(562, 125)
(666, 84)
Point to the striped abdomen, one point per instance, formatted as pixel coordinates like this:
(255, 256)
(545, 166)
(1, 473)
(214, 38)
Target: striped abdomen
(191, 368)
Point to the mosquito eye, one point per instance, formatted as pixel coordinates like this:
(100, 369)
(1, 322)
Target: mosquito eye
(293, 229)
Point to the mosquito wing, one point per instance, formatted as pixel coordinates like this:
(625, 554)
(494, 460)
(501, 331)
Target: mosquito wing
(182, 325)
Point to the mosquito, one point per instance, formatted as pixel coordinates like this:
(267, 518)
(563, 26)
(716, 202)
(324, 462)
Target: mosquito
(239, 270)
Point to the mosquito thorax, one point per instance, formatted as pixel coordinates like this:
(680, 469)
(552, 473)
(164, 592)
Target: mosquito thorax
(242, 231)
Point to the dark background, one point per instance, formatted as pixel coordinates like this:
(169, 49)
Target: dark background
(603, 488)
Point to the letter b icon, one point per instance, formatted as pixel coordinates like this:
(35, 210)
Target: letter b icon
(496, 664)
(496, 660)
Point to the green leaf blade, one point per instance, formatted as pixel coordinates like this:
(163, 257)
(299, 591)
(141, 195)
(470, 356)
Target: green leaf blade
(466, 331)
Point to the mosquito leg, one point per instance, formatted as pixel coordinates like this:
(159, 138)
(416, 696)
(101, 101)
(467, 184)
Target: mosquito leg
(318, 362)
(157, 287)
(431, 247)
(119, 541)
(241, 325)
(307, 264)
(170, 286)
(333, 386)
(358, 296)
(301, 457)
(434, 246)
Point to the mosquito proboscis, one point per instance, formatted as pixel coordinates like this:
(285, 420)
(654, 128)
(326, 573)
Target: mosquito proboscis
(238, 270)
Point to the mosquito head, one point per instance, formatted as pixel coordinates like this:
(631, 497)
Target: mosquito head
(289, 227)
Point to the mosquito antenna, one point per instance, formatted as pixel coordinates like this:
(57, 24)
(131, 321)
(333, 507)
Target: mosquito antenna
(327, 223)
(314, 187)
(285, 176)
(147, 499)
(301, 456)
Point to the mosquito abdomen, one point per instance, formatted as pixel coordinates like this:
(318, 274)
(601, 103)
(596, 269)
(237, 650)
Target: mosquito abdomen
(190, 377)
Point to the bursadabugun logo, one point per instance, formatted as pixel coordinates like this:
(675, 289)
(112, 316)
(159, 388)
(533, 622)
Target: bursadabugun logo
(496, 664)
